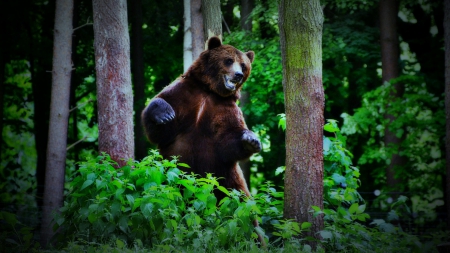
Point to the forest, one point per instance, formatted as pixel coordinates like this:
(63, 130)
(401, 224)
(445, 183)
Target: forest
(349, 98)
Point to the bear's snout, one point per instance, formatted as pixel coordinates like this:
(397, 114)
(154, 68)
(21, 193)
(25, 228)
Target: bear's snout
(238, 76)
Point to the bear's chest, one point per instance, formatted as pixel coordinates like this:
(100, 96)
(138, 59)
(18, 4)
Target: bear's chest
(216, 116)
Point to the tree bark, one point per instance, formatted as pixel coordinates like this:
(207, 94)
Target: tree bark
(59, 115)
(388, 11)
(447, 102)
(137, 67)
(300, 24)
(212, 19)
(113, 77)
(187, 43)
(198, 40)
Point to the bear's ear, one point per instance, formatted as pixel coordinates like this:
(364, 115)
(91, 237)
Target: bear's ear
(214, 42)
(250, 55)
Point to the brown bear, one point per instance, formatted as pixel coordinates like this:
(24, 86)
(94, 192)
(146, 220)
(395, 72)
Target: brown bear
(196, 117)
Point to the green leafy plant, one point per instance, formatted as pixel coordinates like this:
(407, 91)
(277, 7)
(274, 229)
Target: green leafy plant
(15, 236)
(154, 203)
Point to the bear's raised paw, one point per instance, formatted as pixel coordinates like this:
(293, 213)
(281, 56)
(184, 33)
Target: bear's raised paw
(160, 112)
(251, 142)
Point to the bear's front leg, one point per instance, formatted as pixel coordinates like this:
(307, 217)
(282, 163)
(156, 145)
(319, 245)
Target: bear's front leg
(159, 111)
(251, 142)
(155, 120)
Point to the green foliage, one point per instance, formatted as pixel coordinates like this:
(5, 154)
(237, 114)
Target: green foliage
(340, 177)
(15, 236)
(18, 154)
(418, 122)
(154, 203)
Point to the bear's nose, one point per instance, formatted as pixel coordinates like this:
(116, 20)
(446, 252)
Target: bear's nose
(238, 76)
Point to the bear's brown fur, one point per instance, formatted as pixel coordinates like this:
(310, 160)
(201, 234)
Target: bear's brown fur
(196, 117)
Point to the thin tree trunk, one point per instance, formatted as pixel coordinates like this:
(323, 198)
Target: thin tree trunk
(300, 24)
(447, 102)
(246, 9)
(59, 115)
(246, 25)
(114, 91)
(187, 47)
(198, 40)
(137, 67)
(212, 19)
(73, 86)
(389, 60)
(41, 90)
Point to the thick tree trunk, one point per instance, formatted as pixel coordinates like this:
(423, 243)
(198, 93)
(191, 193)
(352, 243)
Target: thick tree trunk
(246, 25)
(389, 59)
(300, 24)
(198, 40)
(447, 102)
(114, 92)
(212, 19)
(137, 67)
(59, 115)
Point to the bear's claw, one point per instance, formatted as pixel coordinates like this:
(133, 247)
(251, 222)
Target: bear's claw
(251, 142)
(160, 111)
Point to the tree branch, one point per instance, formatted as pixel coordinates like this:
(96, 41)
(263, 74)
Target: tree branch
(87, 23)
(71, 146)
(226, 25)
(78, 106)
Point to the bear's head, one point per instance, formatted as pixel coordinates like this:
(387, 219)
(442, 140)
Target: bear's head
(222, 68)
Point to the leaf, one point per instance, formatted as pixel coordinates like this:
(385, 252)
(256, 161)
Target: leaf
(329, 127)
(183, 165)
(91, 176)
(86, 184)
(224, 190)
(361, 209)
(130, 199)
(338, 179)
(9, 218)
(306, 225)
(353, 208)
(326, 144)
(120, 244)
(326, 234)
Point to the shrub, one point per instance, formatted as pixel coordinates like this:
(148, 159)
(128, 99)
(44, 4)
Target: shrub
(153, 202)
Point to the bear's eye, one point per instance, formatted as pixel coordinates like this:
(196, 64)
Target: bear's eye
(243, 67)
(228, 62)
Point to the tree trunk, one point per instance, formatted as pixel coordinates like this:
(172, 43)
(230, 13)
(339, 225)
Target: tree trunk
(246, 9)
(300, 24)
(74, 81)
(246, 25)
(59, 115)
(388, 11)
(187, 43)
(137, 67)
(41, 90)
(113, 77)
(198, 40)
(447, 102)
(212, 19)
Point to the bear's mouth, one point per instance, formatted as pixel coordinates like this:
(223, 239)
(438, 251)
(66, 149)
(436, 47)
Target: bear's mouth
(230, 84)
